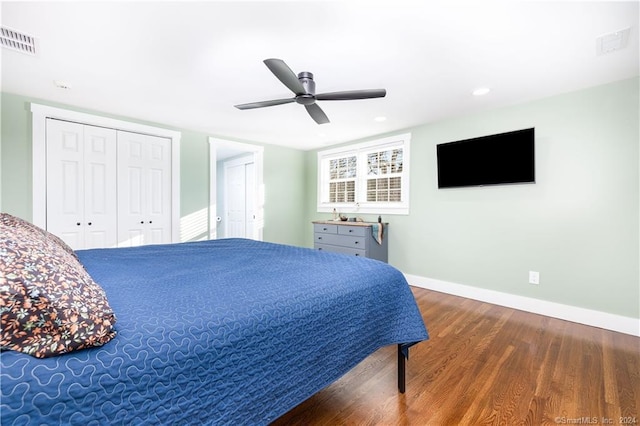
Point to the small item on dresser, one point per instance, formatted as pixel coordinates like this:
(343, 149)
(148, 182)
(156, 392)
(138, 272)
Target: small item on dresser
(335, 214)
(377, 231)
(352, 219)
(343, 218)
(379, 219)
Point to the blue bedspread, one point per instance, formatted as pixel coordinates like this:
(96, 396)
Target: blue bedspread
(215, 332)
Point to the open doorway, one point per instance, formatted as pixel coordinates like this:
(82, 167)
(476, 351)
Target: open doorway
(236, 195)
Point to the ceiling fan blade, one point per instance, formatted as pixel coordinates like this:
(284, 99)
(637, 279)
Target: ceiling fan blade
(352, 94)
(317, 113)
(285, 75)
(263, 104)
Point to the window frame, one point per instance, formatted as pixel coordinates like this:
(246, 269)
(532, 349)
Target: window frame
(361, 151)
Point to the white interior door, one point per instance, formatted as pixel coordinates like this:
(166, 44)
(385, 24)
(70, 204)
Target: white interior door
(235, 201)
(250, 209)
(100, 179)
(80, 184)
(65, 185)
(144, 189)
(158, 190)
(239, 178)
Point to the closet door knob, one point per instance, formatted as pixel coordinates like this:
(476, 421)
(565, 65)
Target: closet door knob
(150, 221)
(89, 223)
(78, 223)
(142, 221)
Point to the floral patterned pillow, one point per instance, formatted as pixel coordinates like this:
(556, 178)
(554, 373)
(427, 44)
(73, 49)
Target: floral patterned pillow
(49, 305)
(28, 226)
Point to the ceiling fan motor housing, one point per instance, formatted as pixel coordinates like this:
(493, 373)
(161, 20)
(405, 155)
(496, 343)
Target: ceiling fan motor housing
(306, 79)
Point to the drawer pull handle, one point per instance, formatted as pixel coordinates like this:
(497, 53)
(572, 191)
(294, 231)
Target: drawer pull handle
(319, 248)
(357, 254)
(78, 223)
(319, 238)
(350, 230)
(324, 229)
(356, 242)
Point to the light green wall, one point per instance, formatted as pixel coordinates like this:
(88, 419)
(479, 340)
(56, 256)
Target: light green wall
(283, 220)
(577, 225)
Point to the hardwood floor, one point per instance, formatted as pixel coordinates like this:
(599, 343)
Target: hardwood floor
(488, 365)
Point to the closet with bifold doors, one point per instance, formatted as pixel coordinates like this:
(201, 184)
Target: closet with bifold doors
(107, 187)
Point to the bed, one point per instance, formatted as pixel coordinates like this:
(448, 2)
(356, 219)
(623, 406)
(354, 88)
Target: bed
(229, 331)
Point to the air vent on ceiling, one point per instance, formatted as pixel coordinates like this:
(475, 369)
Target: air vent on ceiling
(611, 42)
(15, 40)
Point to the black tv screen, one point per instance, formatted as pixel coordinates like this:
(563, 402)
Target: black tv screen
(488, 160)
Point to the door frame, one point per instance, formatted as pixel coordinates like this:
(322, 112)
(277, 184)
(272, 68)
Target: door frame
(258, 159)
(40, 114)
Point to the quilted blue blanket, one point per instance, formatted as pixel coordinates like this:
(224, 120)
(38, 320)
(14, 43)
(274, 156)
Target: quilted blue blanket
(215, 332)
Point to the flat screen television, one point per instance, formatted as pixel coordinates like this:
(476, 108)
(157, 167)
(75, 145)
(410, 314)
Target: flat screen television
(499, 159)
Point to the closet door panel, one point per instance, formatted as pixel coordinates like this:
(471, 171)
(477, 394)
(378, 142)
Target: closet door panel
(100, 188)
(159, 189)
(80, 184)
(131, 189)
(65, 185)
(144, 189)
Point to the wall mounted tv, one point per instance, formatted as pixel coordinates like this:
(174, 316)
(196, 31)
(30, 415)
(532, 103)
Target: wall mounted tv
(499, 159)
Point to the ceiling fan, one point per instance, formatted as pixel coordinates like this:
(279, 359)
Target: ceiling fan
(304, 89)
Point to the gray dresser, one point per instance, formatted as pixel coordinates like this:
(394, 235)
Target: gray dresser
(354, 238)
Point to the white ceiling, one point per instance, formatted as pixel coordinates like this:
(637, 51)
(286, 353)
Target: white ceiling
(186, 64)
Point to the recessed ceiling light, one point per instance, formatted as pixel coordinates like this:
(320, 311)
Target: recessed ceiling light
(480, 91)
(380, 119)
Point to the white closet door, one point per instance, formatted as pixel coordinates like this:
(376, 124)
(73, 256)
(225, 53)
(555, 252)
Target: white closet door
(81, 184)
(144, 189)
(159, 190)
(100, 179)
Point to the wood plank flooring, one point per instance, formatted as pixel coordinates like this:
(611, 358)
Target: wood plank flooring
(488, 365)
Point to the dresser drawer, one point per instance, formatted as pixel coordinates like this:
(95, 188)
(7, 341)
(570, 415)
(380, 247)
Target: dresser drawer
(356, 231)
(325, 229)
(341, 240)
(341, 250)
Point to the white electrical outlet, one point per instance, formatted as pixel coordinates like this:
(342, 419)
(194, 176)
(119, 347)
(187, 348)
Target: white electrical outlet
(534, 277)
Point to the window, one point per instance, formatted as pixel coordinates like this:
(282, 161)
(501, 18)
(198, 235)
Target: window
(371, 177)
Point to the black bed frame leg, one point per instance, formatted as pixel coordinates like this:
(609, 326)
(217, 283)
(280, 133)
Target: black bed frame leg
(401, 370)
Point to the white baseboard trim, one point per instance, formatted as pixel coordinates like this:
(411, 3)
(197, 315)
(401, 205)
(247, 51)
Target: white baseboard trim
(626, 325)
